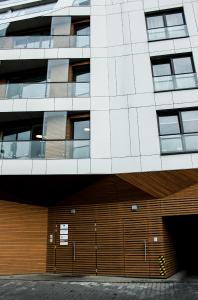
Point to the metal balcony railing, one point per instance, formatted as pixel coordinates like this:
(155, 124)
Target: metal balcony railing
(49, 149)
(44, 42)
(180, 143)
(44, 90)
(167, 33)
(175, 82)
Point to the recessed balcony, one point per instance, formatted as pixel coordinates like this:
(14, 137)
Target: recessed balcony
(61, 78)
(46, 32)
(49, 135)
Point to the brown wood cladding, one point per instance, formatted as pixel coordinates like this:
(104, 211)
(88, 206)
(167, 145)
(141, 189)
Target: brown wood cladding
(117, 248)
(162, 184)
(22, 238)
(107, 236)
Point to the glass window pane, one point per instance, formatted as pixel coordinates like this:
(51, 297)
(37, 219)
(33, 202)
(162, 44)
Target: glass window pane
(82, 130)
(190, 121)
(24, 136)
(169, 125)
(83, 77)
(23, 150)
(58, 70)
(83, 31)
(9, 137)
(54, 126)
(163, 69)
(174, 19)
(81, 149)
(157, 34)
(182, 65)
(61, 26)
(171, 144)
(155, 22)
(191, 142)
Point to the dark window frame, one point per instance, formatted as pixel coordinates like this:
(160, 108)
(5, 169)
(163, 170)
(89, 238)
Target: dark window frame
(163, 14)
(169, 60)
(178, 113)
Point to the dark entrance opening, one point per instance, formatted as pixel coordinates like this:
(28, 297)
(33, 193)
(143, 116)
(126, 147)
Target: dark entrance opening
(183, 234)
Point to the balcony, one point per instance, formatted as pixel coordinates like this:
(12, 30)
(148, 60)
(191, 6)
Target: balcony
(182, 143)
(81, 3)
(45, 135)
(175, 82)
(165, 33)
(59, 78)
(53, 149)
(44, 90)
(44, 42)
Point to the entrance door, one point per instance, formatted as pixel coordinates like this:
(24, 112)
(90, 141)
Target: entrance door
(77, 255)
(136, 248)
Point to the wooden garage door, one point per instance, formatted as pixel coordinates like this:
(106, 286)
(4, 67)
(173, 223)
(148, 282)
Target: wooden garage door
(110, 251)
(84, 248)
(136, 248)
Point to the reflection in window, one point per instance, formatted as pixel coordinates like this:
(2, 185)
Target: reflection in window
(174, 72)
(178, 131)
(169, 125)
(81, 130)
(166, 25)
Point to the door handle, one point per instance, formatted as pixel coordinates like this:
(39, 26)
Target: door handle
(145, 250)
(74, 251)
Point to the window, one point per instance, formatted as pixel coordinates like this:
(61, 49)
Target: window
(167, 24)
(174, 72)
(178, 131)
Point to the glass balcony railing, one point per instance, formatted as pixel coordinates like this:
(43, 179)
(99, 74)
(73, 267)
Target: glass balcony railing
(179, 143)
(167, 33)
(69, 149)
(44, 42)
(175, 82)
(5, 2)
(44, 90)
(81, 3)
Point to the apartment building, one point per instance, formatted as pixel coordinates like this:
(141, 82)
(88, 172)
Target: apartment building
(98, 137)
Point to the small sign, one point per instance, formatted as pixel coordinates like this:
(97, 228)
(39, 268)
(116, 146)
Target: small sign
(63, 243)
(64, 231)
(51, 238)
(64, 226)
(64, 237)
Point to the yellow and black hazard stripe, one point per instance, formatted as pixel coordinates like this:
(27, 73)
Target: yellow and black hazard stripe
(162, 263)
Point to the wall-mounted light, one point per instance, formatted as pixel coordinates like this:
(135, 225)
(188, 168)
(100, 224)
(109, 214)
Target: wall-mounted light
(135, 207)
(86, 129)
(72, 211)
(39, 136)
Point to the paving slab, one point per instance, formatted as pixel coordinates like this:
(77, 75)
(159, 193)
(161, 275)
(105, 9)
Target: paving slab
(61, 287)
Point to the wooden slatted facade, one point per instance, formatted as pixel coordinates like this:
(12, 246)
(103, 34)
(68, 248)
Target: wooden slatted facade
(106, 237)
(23, 238)
(118, 245)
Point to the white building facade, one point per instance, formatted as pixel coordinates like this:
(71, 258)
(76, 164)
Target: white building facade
(124, 98)
(104, 87)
